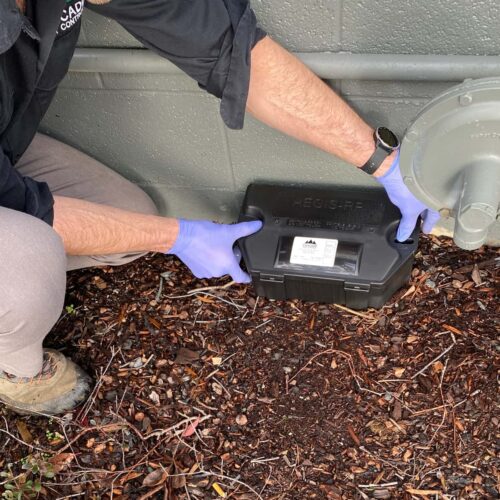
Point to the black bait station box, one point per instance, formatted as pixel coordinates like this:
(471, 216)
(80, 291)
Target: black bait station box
(332, 244)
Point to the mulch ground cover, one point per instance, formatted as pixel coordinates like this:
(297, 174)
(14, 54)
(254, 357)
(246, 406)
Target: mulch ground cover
(204, 390)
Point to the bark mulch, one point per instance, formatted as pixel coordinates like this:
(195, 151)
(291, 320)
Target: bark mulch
(206, 391)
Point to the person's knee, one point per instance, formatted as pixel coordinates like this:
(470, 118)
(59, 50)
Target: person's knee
(32, 279)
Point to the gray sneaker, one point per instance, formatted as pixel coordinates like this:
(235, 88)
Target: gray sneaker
(58, 388)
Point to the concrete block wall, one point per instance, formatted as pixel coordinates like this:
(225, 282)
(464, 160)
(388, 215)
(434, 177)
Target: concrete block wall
(165, 134)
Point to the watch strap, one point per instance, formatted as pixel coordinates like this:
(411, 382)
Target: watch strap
(375, 160)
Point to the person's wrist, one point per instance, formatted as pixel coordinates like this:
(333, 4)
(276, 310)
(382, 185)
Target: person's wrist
(387, 165)
(176, 232)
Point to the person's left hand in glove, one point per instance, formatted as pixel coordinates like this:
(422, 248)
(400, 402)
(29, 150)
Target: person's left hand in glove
(411, 208)
(207, 248)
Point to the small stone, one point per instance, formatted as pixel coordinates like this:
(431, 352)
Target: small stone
(430, 284)
(217, 389)
(241, 420)
(111, 395)
(287, 369)
(217, 361)
(86, 458)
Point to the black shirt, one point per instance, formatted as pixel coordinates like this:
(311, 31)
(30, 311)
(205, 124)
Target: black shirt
(210, 40)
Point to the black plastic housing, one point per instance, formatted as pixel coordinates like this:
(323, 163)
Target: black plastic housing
(369, 265)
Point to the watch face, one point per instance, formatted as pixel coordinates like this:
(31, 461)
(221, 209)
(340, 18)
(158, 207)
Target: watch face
(387, 137)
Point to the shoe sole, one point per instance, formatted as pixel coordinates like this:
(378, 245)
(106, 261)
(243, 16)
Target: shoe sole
(64, 404)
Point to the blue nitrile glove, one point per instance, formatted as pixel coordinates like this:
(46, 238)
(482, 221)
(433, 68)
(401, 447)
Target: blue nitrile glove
(207, 248)
(409, 206)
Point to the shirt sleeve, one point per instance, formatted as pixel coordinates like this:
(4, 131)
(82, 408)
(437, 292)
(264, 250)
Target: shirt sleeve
(23, 193)
(210, 40)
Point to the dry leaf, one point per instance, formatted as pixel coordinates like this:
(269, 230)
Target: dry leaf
(178, 480)
(216, 361)
(191, 428)
(155, 478)
(399, 372)
(24, 432)
(266, 401)
(476, 275)
(61, 461)
(409, 291)
(412, 338)
(129, 477)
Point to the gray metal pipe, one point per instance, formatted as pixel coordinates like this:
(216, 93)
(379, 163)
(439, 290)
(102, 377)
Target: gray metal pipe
(327, 65)
(478, 205)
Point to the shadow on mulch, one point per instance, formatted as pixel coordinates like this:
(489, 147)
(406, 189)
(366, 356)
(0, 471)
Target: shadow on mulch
(205, 392)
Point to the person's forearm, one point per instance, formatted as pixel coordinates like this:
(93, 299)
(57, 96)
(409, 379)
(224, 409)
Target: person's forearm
(90, 229)
(287, 96)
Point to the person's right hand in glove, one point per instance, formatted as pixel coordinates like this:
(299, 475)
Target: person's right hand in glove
(409, 206)
(207, 248)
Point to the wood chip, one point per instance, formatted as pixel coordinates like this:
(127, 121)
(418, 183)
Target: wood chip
(186, 356)
(423, 493)
(397, 410)
(353, 435)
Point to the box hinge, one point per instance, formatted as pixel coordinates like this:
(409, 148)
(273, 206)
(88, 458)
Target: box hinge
(356, 287)
(274, 278)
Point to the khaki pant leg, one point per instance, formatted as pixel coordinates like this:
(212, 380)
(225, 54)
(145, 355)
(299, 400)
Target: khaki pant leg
(32, 288)
(71, 173)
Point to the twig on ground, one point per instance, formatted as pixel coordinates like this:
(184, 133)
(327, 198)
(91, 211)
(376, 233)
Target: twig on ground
(91, 399)
(480, 265)
(384, 485)
(208, 288)
(152, 492)
(162, 432)
(446, 351)
(322, 353)
(160, 290)
(356, 313)
(98, 428)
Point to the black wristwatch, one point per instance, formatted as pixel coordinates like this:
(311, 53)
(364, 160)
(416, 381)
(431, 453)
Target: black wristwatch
(385, 143)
